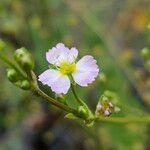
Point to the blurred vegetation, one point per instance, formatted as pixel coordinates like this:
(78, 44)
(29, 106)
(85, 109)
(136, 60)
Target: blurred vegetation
(114, 32)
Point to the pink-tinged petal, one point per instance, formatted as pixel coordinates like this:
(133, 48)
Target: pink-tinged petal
(86, 71)
(57, 54)
(52, 55)
(54, 79)
(60, 46)
(73, 54)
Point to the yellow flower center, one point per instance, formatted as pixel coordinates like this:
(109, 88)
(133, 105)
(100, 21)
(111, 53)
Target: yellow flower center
(67, 68)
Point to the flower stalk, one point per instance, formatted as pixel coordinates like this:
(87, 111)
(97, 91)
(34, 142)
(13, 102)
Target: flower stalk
(55, 102)
(76, 96)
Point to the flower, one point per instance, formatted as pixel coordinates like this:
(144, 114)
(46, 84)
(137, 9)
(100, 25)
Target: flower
(63, 62)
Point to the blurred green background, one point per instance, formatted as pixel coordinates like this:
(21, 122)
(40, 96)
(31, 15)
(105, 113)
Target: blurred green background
(114, 32)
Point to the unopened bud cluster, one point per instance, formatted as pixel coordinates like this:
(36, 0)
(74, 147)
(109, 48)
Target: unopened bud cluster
(107, 104)
(25, 63)
(16, 78)
(24, 59)
(105, 109)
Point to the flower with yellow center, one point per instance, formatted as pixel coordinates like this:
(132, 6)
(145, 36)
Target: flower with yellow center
(63, 59)
(67, 68)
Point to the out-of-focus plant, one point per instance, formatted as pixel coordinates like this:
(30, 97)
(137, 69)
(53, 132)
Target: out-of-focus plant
(65, 72)
(145, 53)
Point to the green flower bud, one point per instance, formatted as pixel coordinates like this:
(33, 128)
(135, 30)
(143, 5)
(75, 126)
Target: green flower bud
(70, 116)
(12, 75)
(25, 85)
(24, 58)
(145, 53)
(83, 112)
(60, 98)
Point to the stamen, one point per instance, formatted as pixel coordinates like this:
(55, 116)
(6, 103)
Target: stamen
(67, 68)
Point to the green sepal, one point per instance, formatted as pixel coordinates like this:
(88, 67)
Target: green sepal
(89, 123)
(117, 109)
(83, 112)
(70, 116)
(61, 98)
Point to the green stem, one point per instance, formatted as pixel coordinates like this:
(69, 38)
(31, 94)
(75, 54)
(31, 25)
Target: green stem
(76, 96)
(55, 102)
(8, 62)
(122, 120)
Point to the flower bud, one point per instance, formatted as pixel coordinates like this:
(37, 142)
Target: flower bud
(99, 107)
(25, 85)
(12, 75)
(107, 104)
(145, 53)
(107, 112)
(60, 98)
(24, 58)
(83, 111)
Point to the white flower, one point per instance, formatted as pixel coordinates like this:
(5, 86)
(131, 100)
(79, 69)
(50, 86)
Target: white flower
(63, 60)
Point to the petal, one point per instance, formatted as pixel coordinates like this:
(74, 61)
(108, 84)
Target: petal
(57, 54)
(52, 54)
(73, 54)
(69, 55)
(86, 71)
(60, 46)
(58, 82)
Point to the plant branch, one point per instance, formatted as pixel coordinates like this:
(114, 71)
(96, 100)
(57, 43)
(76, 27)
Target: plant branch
(55, 102)
(123, 120)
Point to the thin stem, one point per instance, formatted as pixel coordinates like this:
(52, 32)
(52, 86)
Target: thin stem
(55, 102)
(76, 96)
(123, 120)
